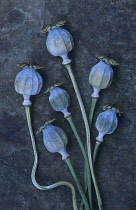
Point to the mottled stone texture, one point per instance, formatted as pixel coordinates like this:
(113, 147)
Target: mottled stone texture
(98, 27)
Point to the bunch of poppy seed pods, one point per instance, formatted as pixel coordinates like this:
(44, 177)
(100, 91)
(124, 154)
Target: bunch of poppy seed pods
(29, 82)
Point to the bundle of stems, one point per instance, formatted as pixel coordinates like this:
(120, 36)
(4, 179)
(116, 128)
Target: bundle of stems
(68, 66)
(87, 180)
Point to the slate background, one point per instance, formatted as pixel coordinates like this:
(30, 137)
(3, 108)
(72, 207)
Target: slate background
(98, 27)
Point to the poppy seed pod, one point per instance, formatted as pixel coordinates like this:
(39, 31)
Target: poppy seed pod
(59, 99)
(106, 123)
(101, 75)
(59, 41)
(28, 82)
(55, 139)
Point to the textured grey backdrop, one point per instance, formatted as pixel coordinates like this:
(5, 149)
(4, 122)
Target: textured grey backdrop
(98, 27)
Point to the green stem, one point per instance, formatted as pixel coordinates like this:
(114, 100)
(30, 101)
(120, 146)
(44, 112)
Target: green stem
(68, 66)
(93, 104)
(36, 164)
(67, 160)
(86, 188)
(88, 177)
(97, 144)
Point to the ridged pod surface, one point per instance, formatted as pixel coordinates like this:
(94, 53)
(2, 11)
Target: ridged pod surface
(55, 140)
(59, 100)
(106, 123)
(28, 82)
(59, 42)
(100, 77)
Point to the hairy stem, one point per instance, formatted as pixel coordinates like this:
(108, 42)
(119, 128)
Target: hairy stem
(57, 184)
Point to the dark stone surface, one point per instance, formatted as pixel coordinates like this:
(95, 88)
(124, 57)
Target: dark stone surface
(98, 27)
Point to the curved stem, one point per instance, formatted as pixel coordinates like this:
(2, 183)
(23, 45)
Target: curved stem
(87, 132)
(36, 164)
(97, 144)
(67, 160)
(88, 177)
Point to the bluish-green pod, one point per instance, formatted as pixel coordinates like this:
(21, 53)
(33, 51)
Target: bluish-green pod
(59, 100)
(28, 82)
(59, 41)
(100, 77)
(55, 140)
(106, 123)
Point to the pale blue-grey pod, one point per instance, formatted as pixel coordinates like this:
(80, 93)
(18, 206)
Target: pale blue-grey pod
(59, 100)
(55, 140)
(100, 77)
(59, 42)
(106, 123)
(28, 82)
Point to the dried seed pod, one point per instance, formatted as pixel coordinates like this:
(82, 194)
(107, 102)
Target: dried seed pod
(55, 140)
(59, 99)
(28, 82)
(59, 41)
(106, 123)
(100, 77)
